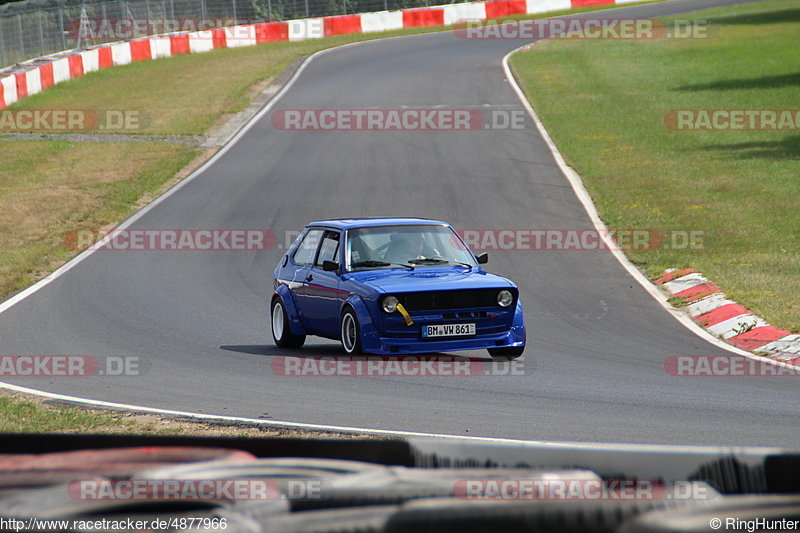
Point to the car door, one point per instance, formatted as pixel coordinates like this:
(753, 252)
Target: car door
(321, 298)
(301, 261)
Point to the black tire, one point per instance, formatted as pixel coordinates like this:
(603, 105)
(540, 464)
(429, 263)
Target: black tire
(350, 332)
(279, 320)
(504, 354)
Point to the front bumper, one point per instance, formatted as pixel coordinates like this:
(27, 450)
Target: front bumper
(392, 341)
(394, 345)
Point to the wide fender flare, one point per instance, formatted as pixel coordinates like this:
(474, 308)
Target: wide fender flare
(295, 326)
(370, 339)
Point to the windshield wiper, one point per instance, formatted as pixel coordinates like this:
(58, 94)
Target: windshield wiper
(430, 260)
(369, 264)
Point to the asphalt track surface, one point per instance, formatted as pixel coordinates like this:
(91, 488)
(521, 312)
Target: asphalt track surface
(198, 321)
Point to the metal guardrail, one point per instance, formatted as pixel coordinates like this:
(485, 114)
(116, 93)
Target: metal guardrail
(36, 28)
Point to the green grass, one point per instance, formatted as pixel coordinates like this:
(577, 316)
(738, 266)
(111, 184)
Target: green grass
(604, 104)
(22, 416)
(49, 188)
(32, 414)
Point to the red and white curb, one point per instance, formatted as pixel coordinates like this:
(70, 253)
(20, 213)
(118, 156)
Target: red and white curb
(31, 77)
(728, 320)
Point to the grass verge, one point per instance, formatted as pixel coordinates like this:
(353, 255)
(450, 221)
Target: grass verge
(24, 416)
(32, 414)
(604, 104)
(48, 188)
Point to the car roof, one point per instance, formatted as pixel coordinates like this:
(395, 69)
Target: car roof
(348, 223)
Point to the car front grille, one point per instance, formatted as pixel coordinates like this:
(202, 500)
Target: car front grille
(455, 299)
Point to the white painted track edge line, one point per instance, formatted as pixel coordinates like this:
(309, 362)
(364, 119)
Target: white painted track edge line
(585, 199)
(611, 446)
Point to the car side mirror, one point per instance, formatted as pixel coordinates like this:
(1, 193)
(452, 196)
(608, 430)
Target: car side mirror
(330, 266)
(483, 258)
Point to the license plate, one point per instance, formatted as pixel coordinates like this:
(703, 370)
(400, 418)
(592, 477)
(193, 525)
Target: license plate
(448, 330)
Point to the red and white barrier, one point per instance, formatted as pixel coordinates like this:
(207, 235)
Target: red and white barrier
(33, 82)
(14, 87)
(140, 50)
(425, 16)
(303, 29)
(462, 12)
(61, 70)
(121, 53)
(503, 8)
(342, 25)
(161, 47)
(90, 60)
(201, 41)
(381, 21)
(272, 31)
(237, 36)
(543, 6)
(8, 91)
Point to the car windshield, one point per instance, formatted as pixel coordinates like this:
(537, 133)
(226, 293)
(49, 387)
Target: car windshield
(405, 247)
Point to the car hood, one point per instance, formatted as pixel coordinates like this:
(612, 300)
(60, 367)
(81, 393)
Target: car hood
(429, 279)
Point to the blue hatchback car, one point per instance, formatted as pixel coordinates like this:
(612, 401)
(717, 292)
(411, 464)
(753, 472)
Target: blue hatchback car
(393, 285)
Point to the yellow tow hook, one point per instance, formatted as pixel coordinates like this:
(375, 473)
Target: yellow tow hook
(406, 317)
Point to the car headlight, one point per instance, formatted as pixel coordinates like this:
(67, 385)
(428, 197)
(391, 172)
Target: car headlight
(504, 298)
(389, 304)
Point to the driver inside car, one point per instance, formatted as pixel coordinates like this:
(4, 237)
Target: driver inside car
(403, 248)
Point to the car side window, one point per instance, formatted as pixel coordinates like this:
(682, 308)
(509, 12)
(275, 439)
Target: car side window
(304, 255)
(329, 249)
